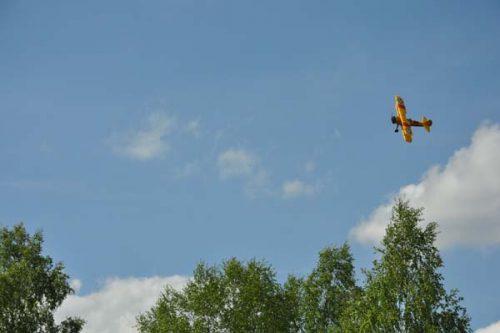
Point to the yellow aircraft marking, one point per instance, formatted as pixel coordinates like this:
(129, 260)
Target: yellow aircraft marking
(405, 125)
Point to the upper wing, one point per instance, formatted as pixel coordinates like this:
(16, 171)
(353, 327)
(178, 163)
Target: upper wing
(407, 133)
(405, 124)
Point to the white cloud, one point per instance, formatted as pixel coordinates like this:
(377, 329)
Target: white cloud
(236, 162)
(239, 163)
(493, 328)
(116, 305)
(75, 284)
(463, 196)
(146, 143)
(298, 188)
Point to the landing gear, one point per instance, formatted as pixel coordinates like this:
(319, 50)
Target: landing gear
(394, 121)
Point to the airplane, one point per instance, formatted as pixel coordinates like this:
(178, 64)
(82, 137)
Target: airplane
(406, 123)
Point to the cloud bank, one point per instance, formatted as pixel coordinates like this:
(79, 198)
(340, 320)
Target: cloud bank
(463, 196)
(493, 328)
(115, 306)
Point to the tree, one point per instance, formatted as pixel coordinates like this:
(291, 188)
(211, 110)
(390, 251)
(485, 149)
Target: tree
(31, 285)
(235, 297)
(404, 291)
(238, 297)
(327, 290)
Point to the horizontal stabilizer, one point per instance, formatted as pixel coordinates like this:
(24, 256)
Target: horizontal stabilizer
(427, 123)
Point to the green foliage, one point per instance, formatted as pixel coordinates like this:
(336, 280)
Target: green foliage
(238, 297)
(70, 325)
(234, 297)
(403, 292)
(327, 290)
(294, 294)
(31, 285)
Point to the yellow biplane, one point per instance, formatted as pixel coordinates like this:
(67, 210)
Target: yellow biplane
(406, 123)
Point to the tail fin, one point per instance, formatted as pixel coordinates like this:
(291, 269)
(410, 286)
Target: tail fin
(427, 124)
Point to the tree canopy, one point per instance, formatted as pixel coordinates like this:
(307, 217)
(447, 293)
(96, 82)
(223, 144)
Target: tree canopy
(31, 286)
(234, 297)
(402, 292)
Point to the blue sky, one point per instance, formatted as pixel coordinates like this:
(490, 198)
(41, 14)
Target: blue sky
(145, 137)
